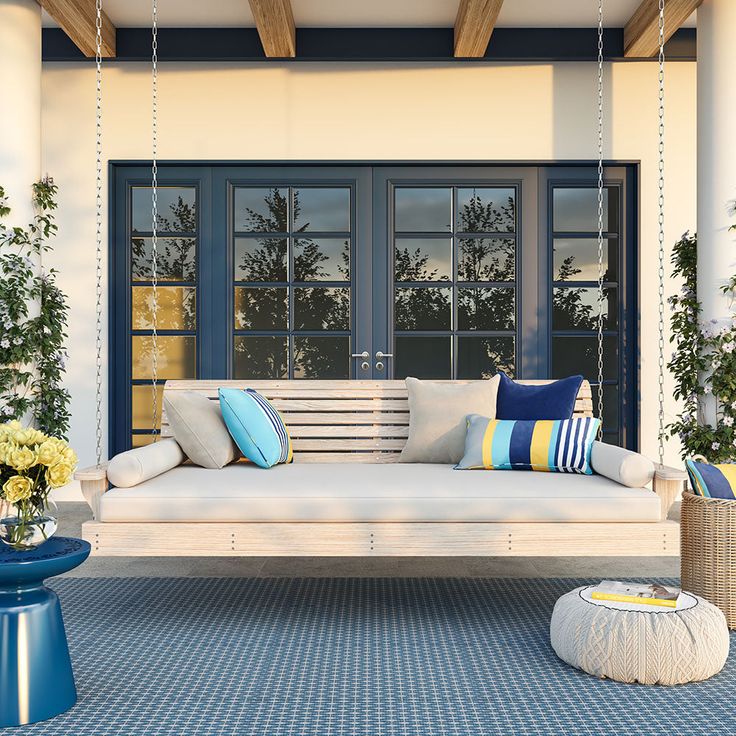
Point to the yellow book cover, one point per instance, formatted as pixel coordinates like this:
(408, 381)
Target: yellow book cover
(651, 594)
(633, 599)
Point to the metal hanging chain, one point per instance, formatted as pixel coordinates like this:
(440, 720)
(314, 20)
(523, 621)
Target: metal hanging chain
(661, 238)
(600, 217)
(98, 222)
(154, 218)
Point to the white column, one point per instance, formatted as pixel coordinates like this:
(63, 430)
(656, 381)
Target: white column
(20, 105)
(716, 153)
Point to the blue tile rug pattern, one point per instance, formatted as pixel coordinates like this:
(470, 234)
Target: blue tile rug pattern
(348, 657)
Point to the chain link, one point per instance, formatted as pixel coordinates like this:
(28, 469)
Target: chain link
(98, 235)
(154, 217)
(660, 272)
(600, 217)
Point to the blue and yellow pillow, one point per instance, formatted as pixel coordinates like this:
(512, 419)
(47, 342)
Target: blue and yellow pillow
(256, 427)
(557, 446)
(712, 481)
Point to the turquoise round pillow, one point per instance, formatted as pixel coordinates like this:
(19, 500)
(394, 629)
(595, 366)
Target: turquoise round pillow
(256, 427)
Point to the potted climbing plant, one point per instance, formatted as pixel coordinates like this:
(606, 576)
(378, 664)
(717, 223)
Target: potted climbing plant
(703, 363)
(35, 458)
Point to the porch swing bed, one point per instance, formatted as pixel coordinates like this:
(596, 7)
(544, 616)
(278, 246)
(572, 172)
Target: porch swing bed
(345, 494)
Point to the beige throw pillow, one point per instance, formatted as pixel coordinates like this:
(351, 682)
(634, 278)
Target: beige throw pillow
(199, 428)
(437, 414)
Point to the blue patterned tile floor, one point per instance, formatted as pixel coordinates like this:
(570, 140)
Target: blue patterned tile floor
(348, 657)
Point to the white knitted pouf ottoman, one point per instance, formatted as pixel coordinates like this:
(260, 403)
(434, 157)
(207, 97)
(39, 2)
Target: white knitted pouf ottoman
(646, 644)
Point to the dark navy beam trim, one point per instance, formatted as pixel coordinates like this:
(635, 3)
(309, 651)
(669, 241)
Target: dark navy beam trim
(367, 44)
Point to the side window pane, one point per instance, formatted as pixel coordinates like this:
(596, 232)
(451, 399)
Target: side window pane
(176, 308)
(576, 209)
(175, 259)
(142, 406)
(573, 355)
(576, 308)
(176, 356)
(176, 209)
(576, 259)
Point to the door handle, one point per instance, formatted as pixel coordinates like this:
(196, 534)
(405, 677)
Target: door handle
(364, 355)
(381, 356)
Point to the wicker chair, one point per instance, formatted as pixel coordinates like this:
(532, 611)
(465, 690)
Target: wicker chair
(708, 551)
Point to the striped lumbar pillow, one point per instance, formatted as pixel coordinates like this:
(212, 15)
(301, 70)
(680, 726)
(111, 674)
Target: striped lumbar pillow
(561, 445)
(256, 427)
(712, 481)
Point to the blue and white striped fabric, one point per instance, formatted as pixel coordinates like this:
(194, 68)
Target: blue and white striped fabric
(257, 428)
(558, 446)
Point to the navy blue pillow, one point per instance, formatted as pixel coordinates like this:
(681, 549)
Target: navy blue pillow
(550, 401)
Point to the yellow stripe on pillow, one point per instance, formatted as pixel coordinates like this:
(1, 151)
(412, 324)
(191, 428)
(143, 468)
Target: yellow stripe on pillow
(539, 451)
(487, 446)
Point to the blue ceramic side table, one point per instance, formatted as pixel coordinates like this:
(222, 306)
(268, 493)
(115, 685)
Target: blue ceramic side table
(36, 679)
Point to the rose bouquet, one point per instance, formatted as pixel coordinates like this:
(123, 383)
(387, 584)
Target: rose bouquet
(31, 464)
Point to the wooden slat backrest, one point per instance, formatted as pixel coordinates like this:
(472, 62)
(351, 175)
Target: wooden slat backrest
(333, 421)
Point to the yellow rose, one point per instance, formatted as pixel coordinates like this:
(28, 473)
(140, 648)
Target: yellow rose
(17, 488)
(22, 458)
(48, 453)
(6, 448)
(59, 475)
(69, 456)
(36, 436)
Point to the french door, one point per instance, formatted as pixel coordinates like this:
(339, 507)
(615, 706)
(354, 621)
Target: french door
(326, 272)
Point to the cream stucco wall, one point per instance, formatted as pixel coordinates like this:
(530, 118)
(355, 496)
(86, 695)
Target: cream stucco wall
(508, 112)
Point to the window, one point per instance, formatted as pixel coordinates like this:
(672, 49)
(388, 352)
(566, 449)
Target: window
(574, 321)
(176, 298)
(454, 281)
(292, 282)
(309, 272)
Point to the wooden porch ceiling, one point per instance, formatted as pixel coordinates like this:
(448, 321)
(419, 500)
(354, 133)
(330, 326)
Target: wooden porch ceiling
(474, 25)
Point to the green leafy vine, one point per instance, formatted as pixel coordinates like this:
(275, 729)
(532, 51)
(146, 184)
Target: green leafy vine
(32, 353)
(704, 362)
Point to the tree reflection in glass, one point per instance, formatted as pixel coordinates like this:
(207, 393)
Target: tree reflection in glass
(320, 309)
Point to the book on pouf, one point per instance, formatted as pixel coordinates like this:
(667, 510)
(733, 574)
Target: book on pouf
(649, 594)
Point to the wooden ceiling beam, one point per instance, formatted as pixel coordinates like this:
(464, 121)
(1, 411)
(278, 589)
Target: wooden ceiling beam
(641, 34)
(78, 19)
(275, 24)
(474, 25)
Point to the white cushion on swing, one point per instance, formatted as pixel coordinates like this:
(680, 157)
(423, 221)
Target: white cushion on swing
(365, 492)
(143, 463)
(626, 467)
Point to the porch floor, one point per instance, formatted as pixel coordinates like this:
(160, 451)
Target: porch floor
(73, 514)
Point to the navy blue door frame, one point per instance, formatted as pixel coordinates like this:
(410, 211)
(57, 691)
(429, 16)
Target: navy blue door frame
(371, 274)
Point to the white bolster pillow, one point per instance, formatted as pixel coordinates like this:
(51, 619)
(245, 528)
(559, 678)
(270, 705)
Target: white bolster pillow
(624, 466)
(143, 463)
